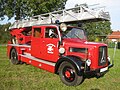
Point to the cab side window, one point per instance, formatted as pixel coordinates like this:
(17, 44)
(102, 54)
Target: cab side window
(51, 32)
(37, 32)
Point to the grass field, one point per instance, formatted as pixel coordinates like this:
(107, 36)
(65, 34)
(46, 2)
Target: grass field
(27, 77)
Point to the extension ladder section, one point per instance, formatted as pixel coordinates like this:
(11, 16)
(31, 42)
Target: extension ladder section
(78, 14)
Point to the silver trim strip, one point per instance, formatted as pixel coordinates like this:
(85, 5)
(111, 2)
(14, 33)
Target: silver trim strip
(39, 60)
(24, 45)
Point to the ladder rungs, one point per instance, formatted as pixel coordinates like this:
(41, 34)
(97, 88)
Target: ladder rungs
(80, 13)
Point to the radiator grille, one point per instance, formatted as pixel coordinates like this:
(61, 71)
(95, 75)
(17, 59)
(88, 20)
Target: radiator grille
(102, 55)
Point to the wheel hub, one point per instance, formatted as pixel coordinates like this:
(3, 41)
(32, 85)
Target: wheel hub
(69, 74)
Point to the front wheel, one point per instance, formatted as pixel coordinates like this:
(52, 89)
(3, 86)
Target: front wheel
(68, 74)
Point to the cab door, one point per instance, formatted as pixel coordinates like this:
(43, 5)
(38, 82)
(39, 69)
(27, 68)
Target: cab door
(36, 43)
(50, 44)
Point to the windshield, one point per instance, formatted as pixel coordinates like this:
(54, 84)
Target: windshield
(72, 32)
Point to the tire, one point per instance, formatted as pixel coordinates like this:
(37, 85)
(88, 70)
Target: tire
(14, 57)
(68, 74)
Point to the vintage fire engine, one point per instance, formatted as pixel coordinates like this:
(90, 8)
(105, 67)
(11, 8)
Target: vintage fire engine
(47, 41)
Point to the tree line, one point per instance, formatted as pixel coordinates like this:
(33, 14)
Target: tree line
(97, 31)
(26, 8)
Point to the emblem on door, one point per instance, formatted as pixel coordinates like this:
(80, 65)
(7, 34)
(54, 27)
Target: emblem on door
(50, 48)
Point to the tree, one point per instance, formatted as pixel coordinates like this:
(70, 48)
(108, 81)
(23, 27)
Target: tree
(1, 10)
(97, 29)
(26, 8)
(4, 33)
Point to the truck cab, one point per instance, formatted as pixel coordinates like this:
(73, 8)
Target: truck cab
(63, 50)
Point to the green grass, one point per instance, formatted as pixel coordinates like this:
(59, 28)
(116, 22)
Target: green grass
(27, 77)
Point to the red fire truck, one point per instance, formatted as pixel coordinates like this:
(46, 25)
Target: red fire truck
(57, 47)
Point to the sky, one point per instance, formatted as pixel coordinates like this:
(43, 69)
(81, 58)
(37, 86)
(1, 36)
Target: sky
(112, 6)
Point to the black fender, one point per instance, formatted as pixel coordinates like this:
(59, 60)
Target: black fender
(76, 62)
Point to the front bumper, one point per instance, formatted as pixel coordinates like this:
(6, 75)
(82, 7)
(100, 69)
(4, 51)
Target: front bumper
(97, 72)
(110, 65)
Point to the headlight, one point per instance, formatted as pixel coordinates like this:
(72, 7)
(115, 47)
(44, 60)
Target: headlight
(108, 59)
(62, 50)
(88, 62)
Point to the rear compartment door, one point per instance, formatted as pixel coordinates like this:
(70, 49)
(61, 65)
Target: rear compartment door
(36, 43)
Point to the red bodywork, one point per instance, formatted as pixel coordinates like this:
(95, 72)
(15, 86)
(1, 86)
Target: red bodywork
(43, 52)
(21, 35)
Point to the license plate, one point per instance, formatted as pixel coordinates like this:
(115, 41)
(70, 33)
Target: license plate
(104, 69)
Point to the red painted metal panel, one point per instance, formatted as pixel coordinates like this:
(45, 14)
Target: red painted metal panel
(44, 66)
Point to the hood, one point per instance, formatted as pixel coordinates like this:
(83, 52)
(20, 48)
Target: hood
(78, 42)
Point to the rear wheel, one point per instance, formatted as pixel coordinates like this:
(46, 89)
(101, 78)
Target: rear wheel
(14, 57)
(68, 74)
